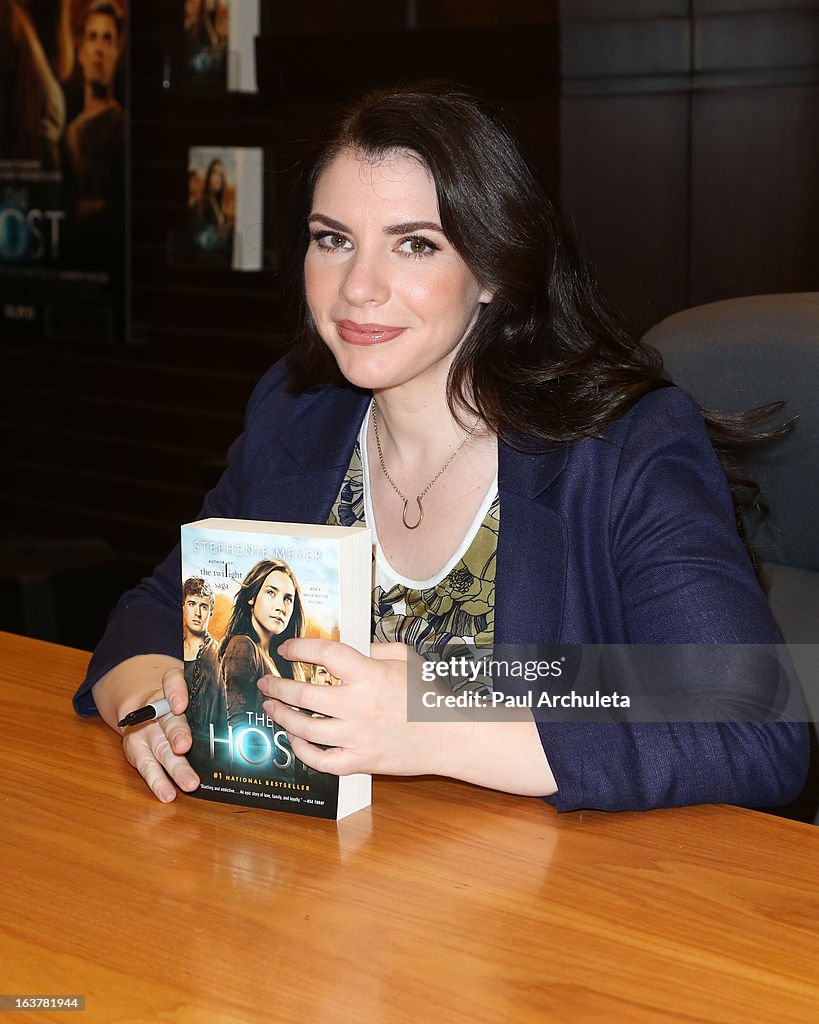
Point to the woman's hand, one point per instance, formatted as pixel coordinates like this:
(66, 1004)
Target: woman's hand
(367, 728)
(365, 722)
(156, 749)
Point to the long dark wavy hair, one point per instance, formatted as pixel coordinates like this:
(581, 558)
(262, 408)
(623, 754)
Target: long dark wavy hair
(241, 618)
(547, 361)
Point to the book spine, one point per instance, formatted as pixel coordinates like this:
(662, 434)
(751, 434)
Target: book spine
(243, 27)
(248, 231)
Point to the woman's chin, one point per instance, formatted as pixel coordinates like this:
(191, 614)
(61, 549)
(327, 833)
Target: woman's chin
(377, 378)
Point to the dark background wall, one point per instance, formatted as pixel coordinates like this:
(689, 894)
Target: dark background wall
(678, 135)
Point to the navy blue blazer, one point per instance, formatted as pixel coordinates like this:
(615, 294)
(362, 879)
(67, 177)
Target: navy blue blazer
(625, 538)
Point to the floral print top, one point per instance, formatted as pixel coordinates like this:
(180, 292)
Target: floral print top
(445, 613)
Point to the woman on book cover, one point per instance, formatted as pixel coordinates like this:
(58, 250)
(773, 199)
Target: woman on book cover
(205, 28)
(267, 611)
(457, 382)
(212, 213)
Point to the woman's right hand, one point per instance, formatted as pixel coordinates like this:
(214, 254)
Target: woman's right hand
(156, 749)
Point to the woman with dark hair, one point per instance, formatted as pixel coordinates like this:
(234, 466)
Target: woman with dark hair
(457, 383)
(205, 26)
(211, 217)
(267, 611)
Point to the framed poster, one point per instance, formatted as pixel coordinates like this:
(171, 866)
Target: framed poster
(63, 168)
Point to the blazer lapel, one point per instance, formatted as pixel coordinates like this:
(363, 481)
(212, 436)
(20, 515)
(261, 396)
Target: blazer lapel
(530, 582)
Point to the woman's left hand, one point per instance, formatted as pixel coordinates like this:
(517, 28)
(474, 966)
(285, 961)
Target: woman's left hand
(366, 726)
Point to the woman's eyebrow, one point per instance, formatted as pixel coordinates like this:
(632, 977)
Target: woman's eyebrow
(336, 225)
(391, 229)
(412, 225)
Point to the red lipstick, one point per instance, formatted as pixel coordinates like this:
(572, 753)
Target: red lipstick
(366, 334)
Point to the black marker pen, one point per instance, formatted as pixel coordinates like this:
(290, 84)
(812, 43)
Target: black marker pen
(147, 714)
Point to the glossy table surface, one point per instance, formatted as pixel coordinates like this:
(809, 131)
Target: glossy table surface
(442, 902)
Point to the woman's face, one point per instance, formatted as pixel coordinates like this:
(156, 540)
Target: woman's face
(273, 605)
(389, 294)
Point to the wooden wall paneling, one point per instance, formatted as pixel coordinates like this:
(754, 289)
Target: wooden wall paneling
(450, 13)
(89, 426)
(755, 199)
(624, 153)
(79, 489)
(182, 458)
(126, 377)
(115, 417)
(701, 7)
(625, 56)
(222, 309)
(755, 151)
(728, 204)
(577, 10)
(294, 17)
(139, 541)
(480, 57)
(624, 188)
(757, 47)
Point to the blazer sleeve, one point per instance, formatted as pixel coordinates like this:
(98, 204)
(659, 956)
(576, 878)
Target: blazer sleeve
(684, 577)
(148, 618)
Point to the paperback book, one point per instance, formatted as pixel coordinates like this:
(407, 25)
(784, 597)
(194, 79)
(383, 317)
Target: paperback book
(247, 586)
(225, 206)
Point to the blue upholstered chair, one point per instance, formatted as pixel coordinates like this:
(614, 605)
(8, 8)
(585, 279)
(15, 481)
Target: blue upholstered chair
(740, 353)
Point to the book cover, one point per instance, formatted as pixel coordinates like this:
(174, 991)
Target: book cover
(225, 206)
(219, 50)
(248, 586)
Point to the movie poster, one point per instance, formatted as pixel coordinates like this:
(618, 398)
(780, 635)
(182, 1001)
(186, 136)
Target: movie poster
(63, 168)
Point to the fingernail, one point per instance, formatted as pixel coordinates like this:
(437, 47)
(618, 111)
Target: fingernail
(190, 780)
(166, 795)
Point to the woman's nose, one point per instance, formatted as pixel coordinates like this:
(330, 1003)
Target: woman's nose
(365, 280)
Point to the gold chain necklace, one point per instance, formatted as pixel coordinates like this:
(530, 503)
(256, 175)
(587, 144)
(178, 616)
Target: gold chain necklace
(423, 494)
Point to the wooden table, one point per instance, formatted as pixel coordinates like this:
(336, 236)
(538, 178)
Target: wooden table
(442, 903)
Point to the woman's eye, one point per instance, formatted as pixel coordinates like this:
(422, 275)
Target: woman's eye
(417, 247)
(333, 241)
